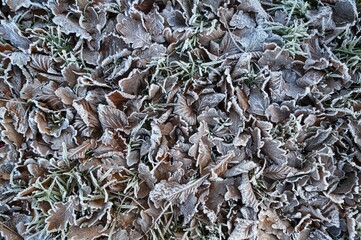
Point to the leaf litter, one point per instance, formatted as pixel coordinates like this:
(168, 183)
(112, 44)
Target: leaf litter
(214, 119)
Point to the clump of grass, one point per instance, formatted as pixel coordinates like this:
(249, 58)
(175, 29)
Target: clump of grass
(295, 9)
(191, 68)
(60, 46)
(293, 35)
(349, 50)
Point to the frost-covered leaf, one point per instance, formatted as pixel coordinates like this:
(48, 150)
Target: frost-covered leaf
(61, 216)
(174, 192)
(86, 112)
(241, 20)
(248, 197)
(272, 148)
(355, 129)
(80, 151)
(276, 58)
(311, 77)
(316, 140)
(40, 62)
(221, 164)
(277, 113)
(243, 167)
(17, 4)
(85, 232)
(210, 100)
(133, 32)
(244, 229)
(9, 31)
(278, 172)
(154, 22)
(146, 175)
(253, 39)
(111, 117)
(258, 102)
(188, 208)
(69, 25)
(185, 111)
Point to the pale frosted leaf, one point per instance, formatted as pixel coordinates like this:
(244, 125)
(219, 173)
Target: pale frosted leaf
(133, 32)
(355, 129)
(17, 4)
(210, 100)
(146, 175)
(10, 32)
(248, 197)
(241, 20)
(258, 102)
(69, 26)
(188, 208)
(19, 58)
(243, 167)
(154, 22)
(244, 229)
(272, 148)
(312, 77)
(174, 192)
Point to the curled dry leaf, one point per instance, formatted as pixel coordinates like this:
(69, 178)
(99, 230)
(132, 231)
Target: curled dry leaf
(185, 111)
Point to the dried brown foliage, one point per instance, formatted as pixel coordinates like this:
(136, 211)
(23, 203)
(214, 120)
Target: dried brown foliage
(212, 119)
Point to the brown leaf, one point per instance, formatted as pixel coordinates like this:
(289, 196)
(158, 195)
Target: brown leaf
(8, 233)
(133, 31)
(312, 77)
(248, 197)
(86, 112)
(185, 111)
(273, 150)
(112, 118)
(40, 62)
(66, 95)
(244, 229)
(355, 129)
(221, 164)
(61, 216)
(278, 172)
(80, 151)
(174, 192)
(243, 167)
(89, 233)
